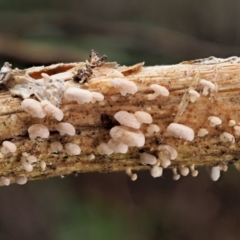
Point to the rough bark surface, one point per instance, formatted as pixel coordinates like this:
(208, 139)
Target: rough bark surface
(93, 121)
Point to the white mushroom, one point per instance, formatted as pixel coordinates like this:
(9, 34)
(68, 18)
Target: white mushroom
(38, 130)
(117, 147)
(115, 74)
(176, 176)
(207, 85)
(215, 173)
(129, 136)
(152, 128)
(236, 130)
(8, 147)
(202, 132)
(124, 86)
(78, 95)
(227, 137)
(167, 152)
(33, 108)
(21, 180)
(156, 171)
(133, 176)
(4, 181)
(193, 171)
(127, 119)
(96, 96)
(180, 131)
(164, 162)
(214, 121)
(56, 146)
(231, 123)
(193, 95)
(72, 149)
(146, 158)
(143, 117)
(52, 110)
(104, 148)
(65, 128)
(26, 165)
(158, 91)
(43, 165)
(184, 170)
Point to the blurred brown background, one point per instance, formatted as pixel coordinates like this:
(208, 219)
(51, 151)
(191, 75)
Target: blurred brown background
(110, 206)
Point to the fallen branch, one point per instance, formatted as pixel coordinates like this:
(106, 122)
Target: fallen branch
(200, 97)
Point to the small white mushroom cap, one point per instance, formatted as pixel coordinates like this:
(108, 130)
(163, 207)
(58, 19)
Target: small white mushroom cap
(184, 170)
(152, 128)
(33, 108)
(207, 85)
(56, 146)
(231, 123)
(236, 130)
(104, 149)
(143, 117)
(38, 130)
(21, 180)
(117, 147)
(115, 74)
(124, 86)
(133, 176)
(180, 131)
(43, 165)
(72, 149)
(202, 132)
(227, 137)
(31, 159)
(52, 110)
(127, 119)
(165, 162)
(26, 166)
(96, 96)
(65, 128)
(156, 171)
(168, 151)
(78, 95)
(146, 158)
(214, 121)
(193, 95)
(215, 173)
(4, 181)
(9, 146)
(158, 90)
(129, 136)
(193, 171)
(176, 176)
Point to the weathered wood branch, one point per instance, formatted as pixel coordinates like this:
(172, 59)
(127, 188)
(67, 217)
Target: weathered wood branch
(93, 121)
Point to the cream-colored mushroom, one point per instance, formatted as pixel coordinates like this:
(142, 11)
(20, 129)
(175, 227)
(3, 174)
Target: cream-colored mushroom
(38, 130)
(65, 128)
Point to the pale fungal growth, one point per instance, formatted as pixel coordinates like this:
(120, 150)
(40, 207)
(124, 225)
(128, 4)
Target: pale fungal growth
(43, 165)
(223, 167)
(158, 91)
(167, 152)
(227, 137)
(124, 86)
(194, 172)
(72, 149)
(184, 170)
(1, 155)
(38, 130)
(31, 159)
(215, 173)
(207, 85)
(127, 119)
(176, 176)
(52, 110)
(146, 158)
(236, 130)
(104, 149)
(133, 176)
(33, 108)
(156, 171)
(8, 147)
(21, 180)
(193, 95)
(78, 95)
(65, 128)
(117, 147)
(91, 157)
(115, 74)
(164, 162)
(4, 181)
(97, 97)
(143, 117)
(128, 136)
(202, 132)
(153, 128)
(26, 165)
(56, 147)
(231, 123)
(214, 121)
(180, 131)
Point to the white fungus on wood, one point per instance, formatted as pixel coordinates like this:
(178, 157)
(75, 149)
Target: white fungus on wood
(180, 131)
(158, 91)
(167, 152)
(156, 171)
(78, 95)
(193, 95)
(207, 85)
(202, 132)
(43, 165)
(4, 181)
(236, 130)
(127, 119)
(52, 110)
(115, 74)
(143, 117)
(146, 158)
(184, 170)
(33, 108)
(104, 149)
(215, 173)
(97, 97)
(38, 130)
(133, 176)
(153, 128)
(193, 171)
(130, 137)
(231, 123)
(124, 86)
(214, 121)
(227, 137)
(21, 180)
(65, 128)
(72, 149)
(56, 146)
(176, 176)
(164, 161)
(117, 147)
(8, 147)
